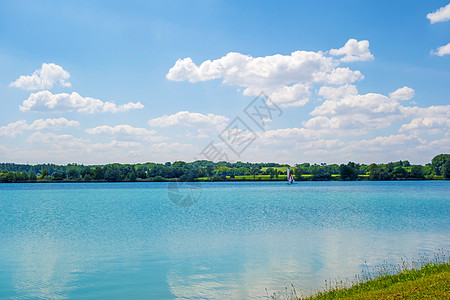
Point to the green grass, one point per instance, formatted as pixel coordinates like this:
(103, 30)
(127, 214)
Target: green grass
(282, 169)
(425, 279)
(431, 281)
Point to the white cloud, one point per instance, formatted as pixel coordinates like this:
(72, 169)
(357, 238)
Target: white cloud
(186, 118)
(404, 93)
(441, 51)
(295, 95)
(45, 78)
(286, 134)
(126, 131)
(424, 112)
(287, 79)
(64, 141)
(45, 101)
(427, 123)
(113, 145)
(351, 104)
(391, 140)
(353, 51)
(345, 108)
(13, 129)
(54, 124)
(339, 76)
(320, 144)
(335, 93)
(440, 15)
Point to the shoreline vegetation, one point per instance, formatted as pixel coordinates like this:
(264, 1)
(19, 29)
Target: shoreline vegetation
(416, 279)
(203, 170)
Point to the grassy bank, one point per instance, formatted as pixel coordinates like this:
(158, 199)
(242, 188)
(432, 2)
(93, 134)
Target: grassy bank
(422, 279)
(431, 281)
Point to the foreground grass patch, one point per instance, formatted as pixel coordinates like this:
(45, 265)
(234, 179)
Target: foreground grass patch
(425, 278)
(432, 281)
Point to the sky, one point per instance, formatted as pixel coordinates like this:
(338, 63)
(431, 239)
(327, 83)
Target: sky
(97, 82)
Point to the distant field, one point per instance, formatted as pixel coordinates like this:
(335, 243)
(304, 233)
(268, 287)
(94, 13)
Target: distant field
(284, 177)
(282, 169)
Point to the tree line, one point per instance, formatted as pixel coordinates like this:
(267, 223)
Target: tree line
(439, 168)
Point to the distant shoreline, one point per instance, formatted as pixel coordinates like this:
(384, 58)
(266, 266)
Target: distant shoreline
(334, 178)
(204, 170)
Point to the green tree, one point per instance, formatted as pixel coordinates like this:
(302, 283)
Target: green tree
(99, 173)
(141, 174)
(390, 167)
(6, 176)
(85, 171)
(73, 174)
(348, 172)
(376, 172)
(446, 169)
(298, 171)
(320, 173)
(132, 176)
(32, 176)
(438, 161)
(209, 171)
(417, 172)
(254, 170)
(58, 175)
(113, 174)
(44, 174)
(400, 173)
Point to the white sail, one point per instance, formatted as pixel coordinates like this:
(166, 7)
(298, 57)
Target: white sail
(290, 178)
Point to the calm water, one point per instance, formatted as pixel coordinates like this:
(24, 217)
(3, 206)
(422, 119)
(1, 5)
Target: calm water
(128, 240)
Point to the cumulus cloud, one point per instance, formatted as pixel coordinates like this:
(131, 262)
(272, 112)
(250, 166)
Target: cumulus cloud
(335, 93)
(320, 144)
(44, 78)
(427, 112)
(427, 120)
(339, 76)
(186, 118)
(114, 144)
(296, 95)
(391, 140)
(441, 51)
(57, 140)
(287, 79)
(345, 108)
(125, 131)
(404, 93)
(427, 123)
(54, 124)
(45, 101)
(440, 15)
(351, 103)
(15, 128)
(353, 51)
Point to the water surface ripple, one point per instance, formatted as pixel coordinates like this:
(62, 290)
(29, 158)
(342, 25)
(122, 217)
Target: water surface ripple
(128, 240)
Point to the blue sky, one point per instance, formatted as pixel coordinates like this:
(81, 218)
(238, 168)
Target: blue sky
(142, 81)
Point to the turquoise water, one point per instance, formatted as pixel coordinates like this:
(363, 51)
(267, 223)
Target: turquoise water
(129, 240)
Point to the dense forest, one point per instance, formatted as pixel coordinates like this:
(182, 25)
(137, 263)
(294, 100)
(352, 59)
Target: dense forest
(203, 170)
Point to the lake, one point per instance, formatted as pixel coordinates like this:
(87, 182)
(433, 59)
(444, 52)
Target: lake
(237, 239)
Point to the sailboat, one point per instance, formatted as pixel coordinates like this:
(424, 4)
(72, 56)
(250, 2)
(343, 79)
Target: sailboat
(290, 178)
